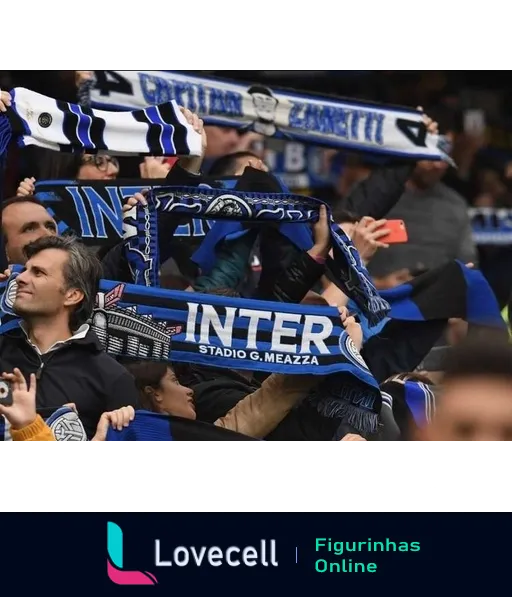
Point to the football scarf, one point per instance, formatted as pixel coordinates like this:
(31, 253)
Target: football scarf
(411, 402)
(151, 323)
(448, 291)
(34, 119)
(64, 422)
(154, 430)
(142, 244)
(342, 123)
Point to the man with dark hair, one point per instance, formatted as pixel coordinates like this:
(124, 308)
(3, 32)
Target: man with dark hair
(24, 219)
(437, 223)
(55, 298)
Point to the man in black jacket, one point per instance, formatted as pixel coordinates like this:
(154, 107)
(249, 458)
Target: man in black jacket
(55, 298)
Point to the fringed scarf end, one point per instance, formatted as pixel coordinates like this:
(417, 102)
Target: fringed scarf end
(342, 398)
(378, 310)
(364, 421)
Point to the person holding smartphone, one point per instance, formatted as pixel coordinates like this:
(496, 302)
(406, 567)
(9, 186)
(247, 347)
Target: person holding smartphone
(18, 406)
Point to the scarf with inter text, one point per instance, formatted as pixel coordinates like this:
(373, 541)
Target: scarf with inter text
(233, 333)
(93, 210)
(142, 244)
(152, 323)
(313, 119)
(34, 119)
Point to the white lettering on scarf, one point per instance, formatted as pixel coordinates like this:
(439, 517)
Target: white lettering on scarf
(339, 122)
(315, 328)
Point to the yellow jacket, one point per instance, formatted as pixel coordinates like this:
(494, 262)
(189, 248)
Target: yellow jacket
(38, 431)
(256, 415)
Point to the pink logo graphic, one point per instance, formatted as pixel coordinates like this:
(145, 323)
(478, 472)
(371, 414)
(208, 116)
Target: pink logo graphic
(115, 561)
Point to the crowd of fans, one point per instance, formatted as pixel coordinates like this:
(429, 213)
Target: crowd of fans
(54, 359)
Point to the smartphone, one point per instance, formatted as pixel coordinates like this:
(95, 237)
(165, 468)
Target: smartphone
(5, 393)
(398, 232)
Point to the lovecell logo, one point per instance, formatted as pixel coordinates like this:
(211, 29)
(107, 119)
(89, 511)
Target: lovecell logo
(181, 556)
(115, 570)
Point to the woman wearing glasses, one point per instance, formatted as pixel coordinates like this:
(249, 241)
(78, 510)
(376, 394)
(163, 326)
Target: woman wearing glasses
(60, 166)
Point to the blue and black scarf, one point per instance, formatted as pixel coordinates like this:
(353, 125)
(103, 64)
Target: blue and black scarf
(420, 310)
(452, 290)
(155, 427)
(289, 211)
(413, 403)
(152, 323)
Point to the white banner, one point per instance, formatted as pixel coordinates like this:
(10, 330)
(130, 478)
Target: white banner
(348, 124)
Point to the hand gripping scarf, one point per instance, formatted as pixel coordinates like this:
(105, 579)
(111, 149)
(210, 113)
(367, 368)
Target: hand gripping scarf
(234, 333)
(349, 124)
(142, 245)
(137, 322)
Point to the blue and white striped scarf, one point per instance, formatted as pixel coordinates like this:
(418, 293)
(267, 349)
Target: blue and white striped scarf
(343, 123)
(64, 423)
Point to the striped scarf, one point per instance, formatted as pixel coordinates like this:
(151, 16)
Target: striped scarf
(287, 114)
(34, 119)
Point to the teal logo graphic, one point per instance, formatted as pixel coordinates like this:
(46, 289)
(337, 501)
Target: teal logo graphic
(115, 567)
